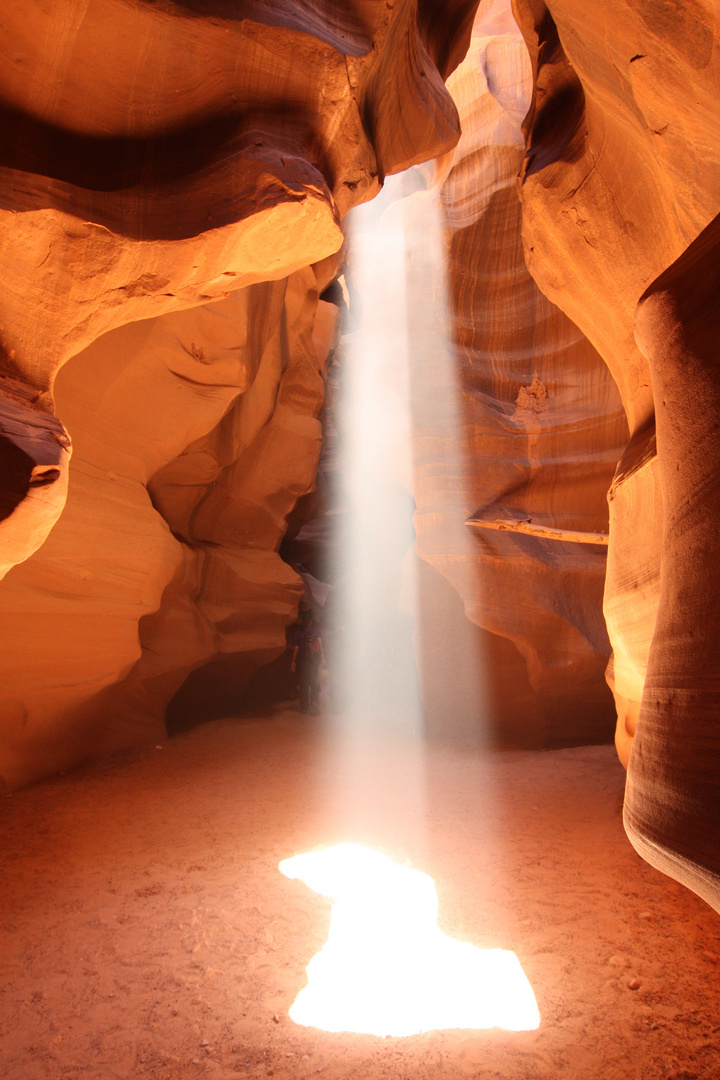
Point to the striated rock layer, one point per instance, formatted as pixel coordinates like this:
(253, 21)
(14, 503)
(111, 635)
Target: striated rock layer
(672, 813)
(144, 576)
(152, 158)
(172, 181)
(531, 429)
(620, 192)
(156, 158)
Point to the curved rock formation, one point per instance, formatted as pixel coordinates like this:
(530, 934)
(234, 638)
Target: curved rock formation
(137, 585)
(34, 457)
(672, 814)
(532, 429)
(621, 176)
(154, 158)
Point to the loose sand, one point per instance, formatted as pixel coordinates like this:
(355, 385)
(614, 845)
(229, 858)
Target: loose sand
(147, 931)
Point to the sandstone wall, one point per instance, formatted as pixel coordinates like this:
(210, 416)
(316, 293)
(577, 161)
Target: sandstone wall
(195, 434)
(531, 429)
(153, 159)
(620, 190)
(620, 175)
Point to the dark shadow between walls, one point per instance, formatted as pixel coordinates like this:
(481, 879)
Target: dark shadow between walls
(231, 686)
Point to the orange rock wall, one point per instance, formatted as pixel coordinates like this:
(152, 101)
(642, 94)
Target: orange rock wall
(620, 196)
(532, 428)
(169, 179)
(187, 458)
(671, 809)
(154, 159)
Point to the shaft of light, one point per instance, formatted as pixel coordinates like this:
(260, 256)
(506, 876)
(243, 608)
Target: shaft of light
(371, 648)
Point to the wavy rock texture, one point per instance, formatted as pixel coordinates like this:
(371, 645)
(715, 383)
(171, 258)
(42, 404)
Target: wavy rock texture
(533, 427)
(621, 176)
(157, 156)
(154, 158)
(672, 813)
(188, 457)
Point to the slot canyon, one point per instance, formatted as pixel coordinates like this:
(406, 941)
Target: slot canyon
(358, 459)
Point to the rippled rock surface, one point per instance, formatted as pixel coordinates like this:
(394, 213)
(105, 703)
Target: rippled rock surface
(156, 158)
(530, 431)
(620, 199)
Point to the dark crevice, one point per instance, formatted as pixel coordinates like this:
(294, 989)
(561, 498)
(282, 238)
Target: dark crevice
(16, 470)
(117, 162)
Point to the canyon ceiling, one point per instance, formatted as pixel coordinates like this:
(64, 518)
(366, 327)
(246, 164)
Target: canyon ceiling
(175, 176)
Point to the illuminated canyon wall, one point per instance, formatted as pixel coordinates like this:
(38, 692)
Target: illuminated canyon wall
(194, 433)
(513, 416)
(173, 186)
(620, 193)
(515, 645)
(155, 158)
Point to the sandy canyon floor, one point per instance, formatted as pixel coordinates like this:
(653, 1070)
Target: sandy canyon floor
(147, 931)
